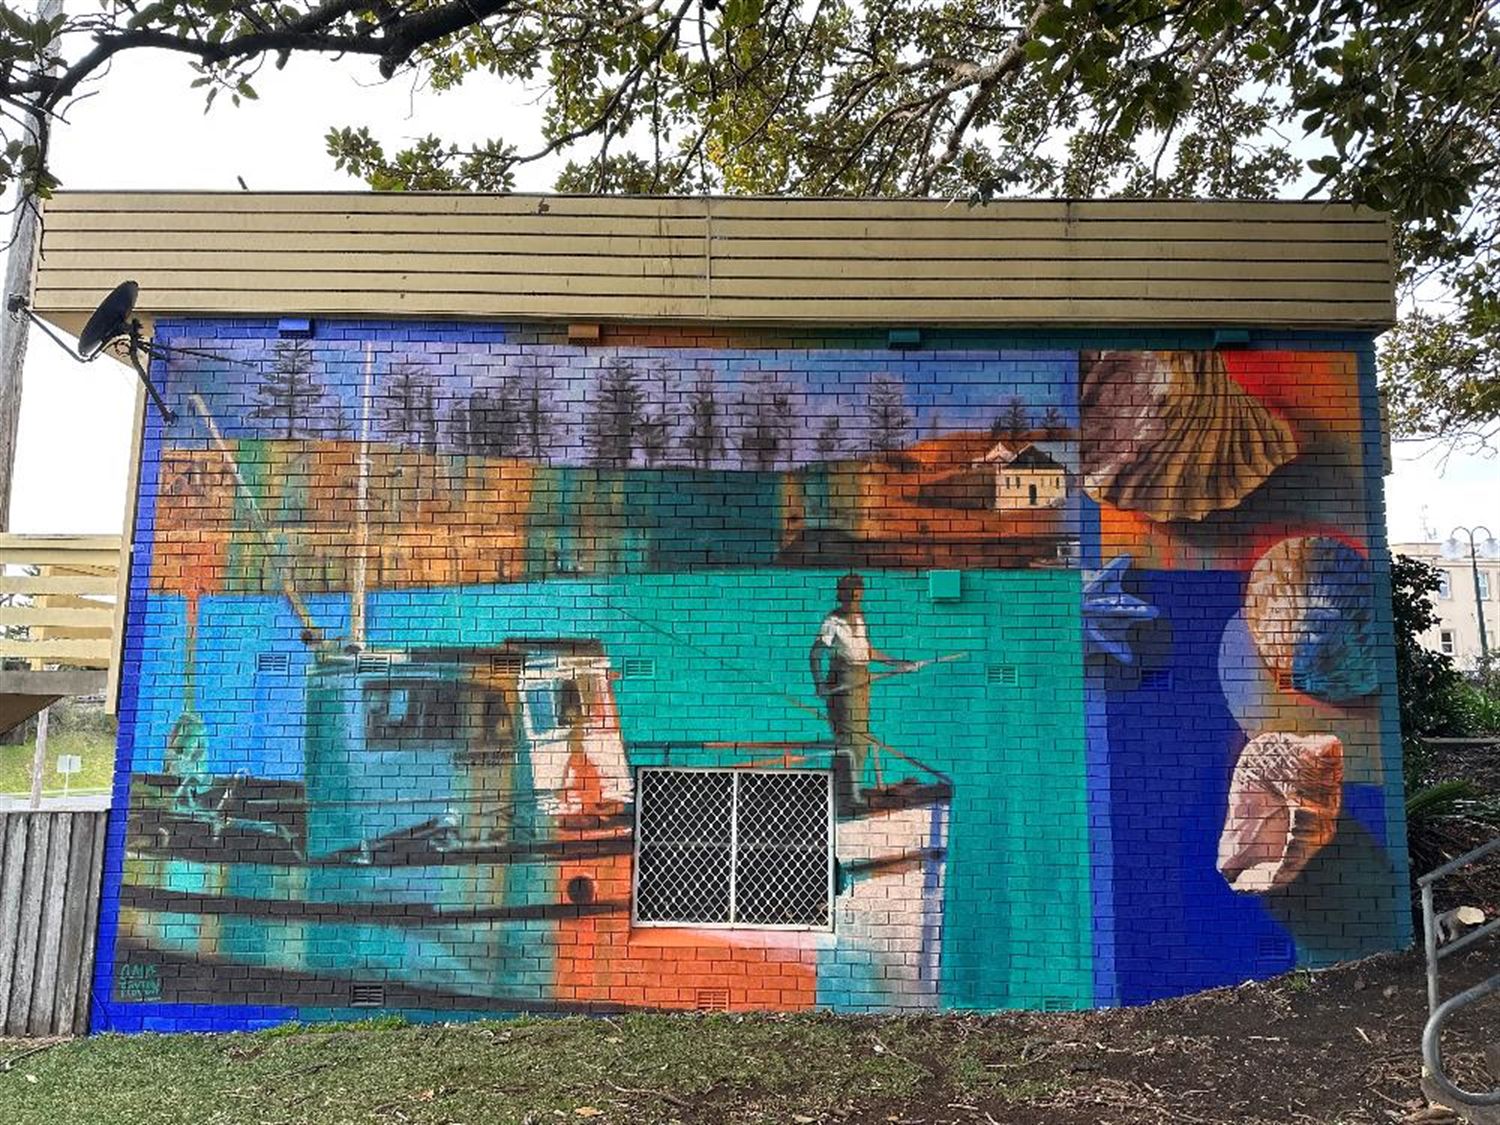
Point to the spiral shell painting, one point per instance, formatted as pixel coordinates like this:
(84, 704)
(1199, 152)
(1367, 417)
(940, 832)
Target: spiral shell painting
(1310, 607)
(1284, 802)
(1171, 435)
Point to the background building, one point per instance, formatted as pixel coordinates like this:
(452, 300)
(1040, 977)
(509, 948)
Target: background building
(1456, 603)
(574, 604)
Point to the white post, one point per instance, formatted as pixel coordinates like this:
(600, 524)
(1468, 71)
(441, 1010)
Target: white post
(39, 759)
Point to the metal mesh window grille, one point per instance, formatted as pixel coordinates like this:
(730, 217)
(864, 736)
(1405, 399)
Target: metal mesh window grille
(734, 848)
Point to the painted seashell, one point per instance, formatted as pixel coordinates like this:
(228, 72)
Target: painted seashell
(1284, 801)
(1172, 436)
(1310, 606)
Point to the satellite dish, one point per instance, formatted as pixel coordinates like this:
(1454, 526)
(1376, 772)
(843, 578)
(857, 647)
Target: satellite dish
(113, 320)
(110, 321)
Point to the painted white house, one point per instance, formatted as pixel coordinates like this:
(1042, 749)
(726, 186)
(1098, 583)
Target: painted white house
(1025, 477)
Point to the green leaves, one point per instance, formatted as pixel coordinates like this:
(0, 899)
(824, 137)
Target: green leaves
(429, 165)
(1442, 374)
(741, 13)
(1390, 103)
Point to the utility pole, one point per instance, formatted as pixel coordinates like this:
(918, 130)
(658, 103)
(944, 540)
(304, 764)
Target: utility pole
(14, 326)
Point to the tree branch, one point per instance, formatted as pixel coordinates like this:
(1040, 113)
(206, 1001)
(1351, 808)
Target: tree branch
(985, 80)
(321, 30)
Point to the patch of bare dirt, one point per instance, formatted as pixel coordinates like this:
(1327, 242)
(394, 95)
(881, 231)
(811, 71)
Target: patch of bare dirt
(1333, 1046)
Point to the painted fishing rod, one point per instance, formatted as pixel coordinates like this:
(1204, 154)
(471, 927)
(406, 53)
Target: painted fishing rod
(751, 677)
(908, 666)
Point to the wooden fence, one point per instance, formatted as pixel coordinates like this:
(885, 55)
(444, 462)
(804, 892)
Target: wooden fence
(50, 865)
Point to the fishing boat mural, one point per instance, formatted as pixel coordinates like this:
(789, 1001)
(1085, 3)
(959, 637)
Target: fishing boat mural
(461, 835)
(468, 674)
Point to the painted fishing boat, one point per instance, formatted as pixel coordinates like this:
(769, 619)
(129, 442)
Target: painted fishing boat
(464, 839)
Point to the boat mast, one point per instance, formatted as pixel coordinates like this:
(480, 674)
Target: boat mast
(311, 634)
(362, 512)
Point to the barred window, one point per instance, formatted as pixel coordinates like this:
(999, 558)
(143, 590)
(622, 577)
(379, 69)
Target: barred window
(734, 848)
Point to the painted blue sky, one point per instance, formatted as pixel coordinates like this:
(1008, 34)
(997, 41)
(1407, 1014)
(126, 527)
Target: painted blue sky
(819, 389)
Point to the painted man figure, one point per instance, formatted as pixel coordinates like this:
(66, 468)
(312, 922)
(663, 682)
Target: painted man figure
(841, 657)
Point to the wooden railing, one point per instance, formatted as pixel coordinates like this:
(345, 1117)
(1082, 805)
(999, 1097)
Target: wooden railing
(60, 604)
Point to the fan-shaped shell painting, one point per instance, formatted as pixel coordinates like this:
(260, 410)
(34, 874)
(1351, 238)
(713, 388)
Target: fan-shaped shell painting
(1171, 435)
(1310, 607)
(1284, 802)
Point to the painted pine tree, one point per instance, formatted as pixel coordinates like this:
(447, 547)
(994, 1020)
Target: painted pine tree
(490, 422)
(409, 410)
(654, 429)
(1013, 421)
(538, 425)
(288, 397)
(655, 435)
(829, 444)
(888, 419)
(614, 415)
(704, 437)
(766, 424)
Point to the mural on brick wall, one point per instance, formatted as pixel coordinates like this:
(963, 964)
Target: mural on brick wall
(1087, 636)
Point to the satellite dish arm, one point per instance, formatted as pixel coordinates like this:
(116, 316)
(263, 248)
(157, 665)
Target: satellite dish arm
(137, 347)
(18, 305)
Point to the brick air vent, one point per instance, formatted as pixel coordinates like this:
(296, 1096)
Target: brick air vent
(367, 996)
(505, 664)
(1002, 675)
(275, 663)
(712, 1000)
(639, 668)
(373, 662)
(1057, 1004)
(1156, 679)
(1272, 949)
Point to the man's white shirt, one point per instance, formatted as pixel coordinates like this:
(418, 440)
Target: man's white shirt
(846, 637)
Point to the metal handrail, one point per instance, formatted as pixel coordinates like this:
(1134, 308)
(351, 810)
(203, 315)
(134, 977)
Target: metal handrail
(1432, 1049)
(1439, 1013)
(1462, 861)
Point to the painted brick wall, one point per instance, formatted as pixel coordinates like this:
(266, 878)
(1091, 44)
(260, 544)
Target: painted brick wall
(1148, 744)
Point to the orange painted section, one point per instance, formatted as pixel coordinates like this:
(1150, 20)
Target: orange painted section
(602, 959)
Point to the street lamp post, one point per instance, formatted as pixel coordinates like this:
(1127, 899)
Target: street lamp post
(1453, 549)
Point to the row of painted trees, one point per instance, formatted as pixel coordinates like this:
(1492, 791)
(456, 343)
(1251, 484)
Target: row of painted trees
(627, 418)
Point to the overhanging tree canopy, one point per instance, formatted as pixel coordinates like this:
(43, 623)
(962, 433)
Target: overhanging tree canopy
(1391, 103)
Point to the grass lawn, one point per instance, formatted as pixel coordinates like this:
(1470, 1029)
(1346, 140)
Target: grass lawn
(1332, 1047)
(635, 1068)
(95, 748)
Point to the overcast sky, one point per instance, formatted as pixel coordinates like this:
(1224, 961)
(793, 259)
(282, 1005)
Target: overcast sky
(146, 129)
